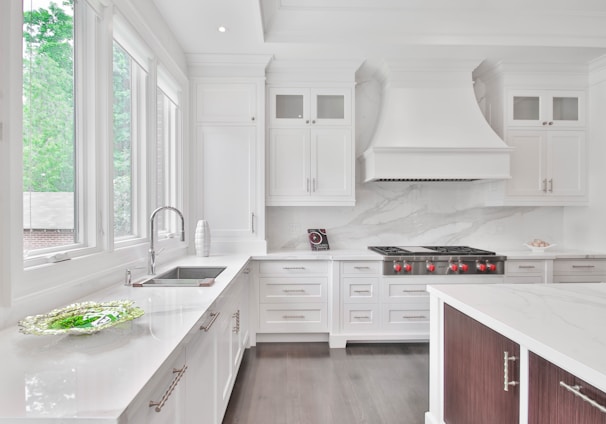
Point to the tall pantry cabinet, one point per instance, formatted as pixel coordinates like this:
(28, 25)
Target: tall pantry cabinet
(538, 110)
(228, 95)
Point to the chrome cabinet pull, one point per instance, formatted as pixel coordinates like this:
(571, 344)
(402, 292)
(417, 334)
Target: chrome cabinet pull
(545, 185)
(293, 316)
(252, 118)
(526, 267)
(293, 267)
(236, 316)
(160, 404)
(362, 317)
(551, 185)
(361, 267)
(576, 390)
(506, 382)
(293, 290)
(213, 317)
(361, 291)
(307, 185)
(414, 316)
(413, 291)
(313, 180)
(252, 222)
(583, 266)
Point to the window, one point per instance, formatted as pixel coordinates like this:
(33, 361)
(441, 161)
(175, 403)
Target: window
(168, 147)
(50, 198)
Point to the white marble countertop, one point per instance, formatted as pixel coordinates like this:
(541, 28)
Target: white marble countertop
(563, 323)
(551, 254)
(52, 379)
(334, 255)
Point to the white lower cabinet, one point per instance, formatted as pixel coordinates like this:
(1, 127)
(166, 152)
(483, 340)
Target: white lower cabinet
(534, 271)
(163, 399)
(195, 383)
(293, 296)
(579, 271)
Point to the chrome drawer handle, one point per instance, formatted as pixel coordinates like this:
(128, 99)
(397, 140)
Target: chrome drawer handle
(414, 316)
(583, 266)
(361, 291)
(293, 316)
(293, 267)
(293, 290)
(576, 390)
(526, 267)
(413, 291)
(361, 317)
(160, 404)
(506, 382)
(211, 321)
(361, 267)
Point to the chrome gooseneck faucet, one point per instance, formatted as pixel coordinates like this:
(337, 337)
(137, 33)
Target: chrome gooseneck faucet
(151, 268)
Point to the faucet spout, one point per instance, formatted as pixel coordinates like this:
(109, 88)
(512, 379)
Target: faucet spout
(151, 268)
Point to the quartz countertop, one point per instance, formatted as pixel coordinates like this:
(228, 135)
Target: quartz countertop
(334, 255)
(563, 323)
(551, 254)
(50, 379)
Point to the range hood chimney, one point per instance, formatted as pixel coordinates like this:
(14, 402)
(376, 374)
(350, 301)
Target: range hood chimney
(430, 126)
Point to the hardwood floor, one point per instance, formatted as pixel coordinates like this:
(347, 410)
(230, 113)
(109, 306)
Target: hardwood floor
(309, 383)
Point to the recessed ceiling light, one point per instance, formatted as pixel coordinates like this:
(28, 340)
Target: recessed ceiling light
(222, 29)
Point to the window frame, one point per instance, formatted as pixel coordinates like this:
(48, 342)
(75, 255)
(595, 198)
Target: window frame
(104, 263)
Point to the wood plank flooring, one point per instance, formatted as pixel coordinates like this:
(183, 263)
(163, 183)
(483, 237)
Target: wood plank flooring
(309, 383)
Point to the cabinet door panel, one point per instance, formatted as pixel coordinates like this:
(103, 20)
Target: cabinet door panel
(551, 403)
(289, 162)
(566, 155)
(331, 162)
(527, 163)
(226, 103)
(474, 370)
(226, 155)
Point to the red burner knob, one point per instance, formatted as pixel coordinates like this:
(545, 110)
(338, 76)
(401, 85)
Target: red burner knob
(453, 267)
(397, 267)
(481, 267)
(463, 267)
(491, 267)
(431, 267)
(407, 267)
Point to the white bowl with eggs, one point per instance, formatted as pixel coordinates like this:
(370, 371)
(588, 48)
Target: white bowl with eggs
(538, 246)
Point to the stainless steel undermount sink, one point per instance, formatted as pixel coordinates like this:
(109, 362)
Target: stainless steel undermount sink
(184, 276)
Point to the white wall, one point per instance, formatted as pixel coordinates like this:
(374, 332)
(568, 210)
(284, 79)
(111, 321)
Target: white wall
(586, 227)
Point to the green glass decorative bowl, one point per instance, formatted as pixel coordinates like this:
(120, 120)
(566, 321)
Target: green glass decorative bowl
(81, 318)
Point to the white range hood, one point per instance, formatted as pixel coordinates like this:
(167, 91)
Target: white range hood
(431, 128)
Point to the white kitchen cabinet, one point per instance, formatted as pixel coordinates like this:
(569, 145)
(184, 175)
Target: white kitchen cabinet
(228, 158)
(163, 399)
(533, 271)
(310, 152)
(293, 296)
(310, 167)
(579, 271)
(305, 107)
(201, 406)
(547, 166)
(546, 108)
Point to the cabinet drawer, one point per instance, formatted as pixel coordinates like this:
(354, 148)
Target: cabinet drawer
(360, 318)
(360, 290)
(524, 267)
(401, 292)
(293, 318)
(411, 320)
(278, 290)
(357, 268)
(579, 267)
(293, 267)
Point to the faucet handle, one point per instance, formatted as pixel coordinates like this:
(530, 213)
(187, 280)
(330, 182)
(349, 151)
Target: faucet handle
(128, 277)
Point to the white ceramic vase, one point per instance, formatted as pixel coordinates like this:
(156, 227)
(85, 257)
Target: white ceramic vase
(202, 238)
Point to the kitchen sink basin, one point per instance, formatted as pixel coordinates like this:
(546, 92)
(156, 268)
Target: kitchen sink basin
(184, 276)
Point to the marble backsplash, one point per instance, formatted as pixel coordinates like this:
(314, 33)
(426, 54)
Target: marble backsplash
(427, 213)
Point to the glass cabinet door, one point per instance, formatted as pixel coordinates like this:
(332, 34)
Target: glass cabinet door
(331, 107)
(289, 107)
(546, 108)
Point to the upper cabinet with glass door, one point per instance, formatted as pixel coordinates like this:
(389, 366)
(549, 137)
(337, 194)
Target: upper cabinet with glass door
(546, 108)
(299, 107)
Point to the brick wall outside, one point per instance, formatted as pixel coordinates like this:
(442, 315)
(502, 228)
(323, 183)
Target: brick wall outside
(38, 239)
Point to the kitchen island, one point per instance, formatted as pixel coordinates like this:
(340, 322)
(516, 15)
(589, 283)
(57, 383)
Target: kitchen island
(555, 325)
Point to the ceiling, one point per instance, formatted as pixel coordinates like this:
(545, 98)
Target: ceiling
(552, 30)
